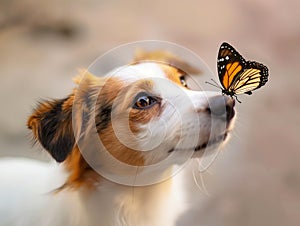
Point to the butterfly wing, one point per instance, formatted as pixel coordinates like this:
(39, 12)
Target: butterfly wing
(254, 76)
(237, 75)
(230, 65)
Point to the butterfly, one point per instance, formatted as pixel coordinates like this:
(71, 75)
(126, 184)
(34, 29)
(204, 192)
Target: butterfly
(237, 75)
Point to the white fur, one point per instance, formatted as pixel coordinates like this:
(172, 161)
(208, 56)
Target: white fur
(27, 199)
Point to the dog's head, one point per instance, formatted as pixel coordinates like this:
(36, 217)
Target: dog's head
(142, 113)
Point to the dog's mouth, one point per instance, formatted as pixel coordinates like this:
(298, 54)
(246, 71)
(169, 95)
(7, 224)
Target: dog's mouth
(212, 142)
(217, 140)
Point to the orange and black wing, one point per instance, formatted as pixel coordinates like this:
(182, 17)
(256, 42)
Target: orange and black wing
(237, 75)
(230, 65)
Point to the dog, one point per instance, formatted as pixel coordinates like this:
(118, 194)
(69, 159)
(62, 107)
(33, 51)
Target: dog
(122, 141)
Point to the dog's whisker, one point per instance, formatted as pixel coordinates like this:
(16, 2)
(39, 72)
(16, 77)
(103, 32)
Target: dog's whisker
(133, 185)
(201, 187)
(203, 169)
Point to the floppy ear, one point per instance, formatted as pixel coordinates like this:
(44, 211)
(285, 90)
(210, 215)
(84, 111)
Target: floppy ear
(51, 124)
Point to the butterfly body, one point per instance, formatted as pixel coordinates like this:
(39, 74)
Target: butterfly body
(232, 93)
(237, 75)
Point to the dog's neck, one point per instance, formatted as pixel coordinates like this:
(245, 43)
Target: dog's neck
(132, 205)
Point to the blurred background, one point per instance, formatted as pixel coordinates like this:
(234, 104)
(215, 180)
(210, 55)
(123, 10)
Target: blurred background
(256, 180)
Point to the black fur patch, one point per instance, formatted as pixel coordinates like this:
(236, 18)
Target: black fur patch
(103, 117)
(55, 131)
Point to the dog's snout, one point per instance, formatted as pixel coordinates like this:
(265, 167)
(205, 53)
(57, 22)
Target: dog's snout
(221, 106)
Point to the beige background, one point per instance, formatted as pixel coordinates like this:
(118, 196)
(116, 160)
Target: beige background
(256, 181)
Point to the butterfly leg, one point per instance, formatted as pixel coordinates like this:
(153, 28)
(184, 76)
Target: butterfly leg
(237, 99)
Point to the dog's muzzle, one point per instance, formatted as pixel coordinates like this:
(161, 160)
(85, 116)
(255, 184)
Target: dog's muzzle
(221, 107)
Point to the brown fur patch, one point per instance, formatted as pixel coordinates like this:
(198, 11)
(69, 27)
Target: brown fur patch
(172, 73)
(122, 99)
(113, 93)
(144, 116)
(81, 174)
(119, 151)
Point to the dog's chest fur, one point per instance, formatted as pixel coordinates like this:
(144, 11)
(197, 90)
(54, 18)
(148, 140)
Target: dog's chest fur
(110, 204)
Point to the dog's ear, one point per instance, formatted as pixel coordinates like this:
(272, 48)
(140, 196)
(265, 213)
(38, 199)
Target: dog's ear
(51, 124)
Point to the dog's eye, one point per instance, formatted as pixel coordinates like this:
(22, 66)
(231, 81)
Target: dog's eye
(183, 81)
(143, 101)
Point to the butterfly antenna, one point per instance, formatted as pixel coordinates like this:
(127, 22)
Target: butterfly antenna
(215, 84)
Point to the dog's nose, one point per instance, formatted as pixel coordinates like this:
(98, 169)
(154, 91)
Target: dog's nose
(221, 106)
